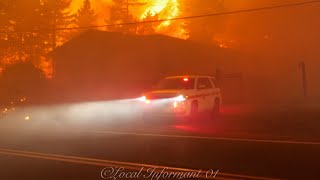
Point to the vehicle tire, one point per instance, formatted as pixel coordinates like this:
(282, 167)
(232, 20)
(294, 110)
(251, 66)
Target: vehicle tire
(194, 110)
(216, 109)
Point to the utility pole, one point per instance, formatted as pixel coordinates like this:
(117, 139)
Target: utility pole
(302, 67)
(127, 10)
(54, 32)
(219, 77)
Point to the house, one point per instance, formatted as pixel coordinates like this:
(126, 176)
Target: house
(107, 64)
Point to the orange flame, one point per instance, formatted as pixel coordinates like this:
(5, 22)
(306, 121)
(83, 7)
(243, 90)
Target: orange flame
(165, 9)
(151, 10)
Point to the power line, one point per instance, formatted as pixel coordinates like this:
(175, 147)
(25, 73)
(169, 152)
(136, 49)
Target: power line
(196, 16)
(182, 18)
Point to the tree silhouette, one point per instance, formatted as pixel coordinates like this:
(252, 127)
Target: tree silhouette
(29, 31)
(16, 22)
(86, 15)
(55, 14)
(148, 28)
(119, 13)
(21, 80)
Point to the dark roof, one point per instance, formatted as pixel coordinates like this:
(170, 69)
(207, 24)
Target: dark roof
(112, 42)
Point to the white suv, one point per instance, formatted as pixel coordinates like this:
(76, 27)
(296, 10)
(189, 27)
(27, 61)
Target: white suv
(183, 96)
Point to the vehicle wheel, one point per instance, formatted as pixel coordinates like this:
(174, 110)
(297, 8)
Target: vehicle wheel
(216, 109)
(194, 110)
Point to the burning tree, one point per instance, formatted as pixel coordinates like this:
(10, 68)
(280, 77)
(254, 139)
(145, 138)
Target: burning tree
(55, 15)
(86, 15)
(30, 31)
(119, 13)
(162, 10)
(17, 25)
(149, 28)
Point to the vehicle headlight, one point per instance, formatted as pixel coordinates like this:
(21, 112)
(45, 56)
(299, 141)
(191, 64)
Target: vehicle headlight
(180, 98)
(142, 99)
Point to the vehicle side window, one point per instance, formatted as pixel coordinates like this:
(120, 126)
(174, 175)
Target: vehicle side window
(204, 83)
(214, 82)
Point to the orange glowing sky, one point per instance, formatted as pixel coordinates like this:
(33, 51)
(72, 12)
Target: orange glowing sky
(167, 9)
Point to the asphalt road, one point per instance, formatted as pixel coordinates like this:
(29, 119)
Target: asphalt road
(246, 142)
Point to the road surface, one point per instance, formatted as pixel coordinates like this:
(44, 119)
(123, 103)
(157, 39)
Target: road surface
(244, 143)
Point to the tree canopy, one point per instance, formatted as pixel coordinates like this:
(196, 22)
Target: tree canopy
(86, 15)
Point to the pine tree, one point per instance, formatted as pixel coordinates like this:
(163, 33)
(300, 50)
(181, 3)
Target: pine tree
(55, 15)
(30, 31)
(86, 15)
(17, 22)
(119, 13)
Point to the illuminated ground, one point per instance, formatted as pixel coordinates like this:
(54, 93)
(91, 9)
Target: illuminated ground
(280, 142)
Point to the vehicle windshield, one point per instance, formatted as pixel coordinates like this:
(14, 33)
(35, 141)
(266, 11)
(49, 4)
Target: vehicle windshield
(176, 83)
